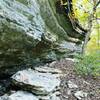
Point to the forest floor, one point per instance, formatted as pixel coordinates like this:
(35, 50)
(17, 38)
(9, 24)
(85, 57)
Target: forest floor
(87, 85)
(73, 86)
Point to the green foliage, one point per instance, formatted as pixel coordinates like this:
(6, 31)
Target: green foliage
(94, 43)
(83, 9)
(89, 65)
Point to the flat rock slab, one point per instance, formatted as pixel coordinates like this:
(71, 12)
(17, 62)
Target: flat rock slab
(24, 95)
(38, 83)
(48, 70)
(20, 95)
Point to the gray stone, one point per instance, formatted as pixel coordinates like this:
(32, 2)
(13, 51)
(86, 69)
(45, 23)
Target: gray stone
(69, 92)
(72, 59)
(71, 84)
(52, 64)
(38, 83)
(80, 94)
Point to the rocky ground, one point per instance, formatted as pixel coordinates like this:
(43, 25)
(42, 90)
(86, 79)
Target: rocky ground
(75, 87)
(54, 81)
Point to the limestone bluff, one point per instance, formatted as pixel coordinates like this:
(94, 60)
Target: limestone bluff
(32, 31)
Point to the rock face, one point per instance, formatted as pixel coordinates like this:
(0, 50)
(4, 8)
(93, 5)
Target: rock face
(34, 31)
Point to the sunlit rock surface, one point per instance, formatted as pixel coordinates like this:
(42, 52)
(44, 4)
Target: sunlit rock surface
(36, 82)
(33, 31)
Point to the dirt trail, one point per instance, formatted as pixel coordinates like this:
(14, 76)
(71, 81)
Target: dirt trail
(88, 85)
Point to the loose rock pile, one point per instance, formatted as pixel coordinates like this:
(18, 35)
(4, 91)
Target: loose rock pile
(78, 94)
(39, 84)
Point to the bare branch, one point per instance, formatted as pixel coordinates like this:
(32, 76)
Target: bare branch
(96, 5)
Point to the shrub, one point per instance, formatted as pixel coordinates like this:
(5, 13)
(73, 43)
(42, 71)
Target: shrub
(89, 65)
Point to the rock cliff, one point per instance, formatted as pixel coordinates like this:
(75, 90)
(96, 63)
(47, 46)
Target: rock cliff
(34, 31)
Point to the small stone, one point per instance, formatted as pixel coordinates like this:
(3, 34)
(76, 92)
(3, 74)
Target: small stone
(58, 93)
(71, 59)
(69, 92)
(80, 94)
(52, 64)
(86, 82)
(71, 85)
